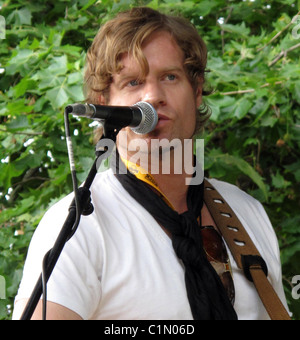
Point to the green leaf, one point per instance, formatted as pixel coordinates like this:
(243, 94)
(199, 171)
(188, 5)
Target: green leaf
(24, 206)
(242, 107)
(241, 30)
(24, 85)
(20, 17)
(7, 172)
(297, 91)
(216, 102)
(269, 121)
(29, 160)
(279, 182)
(75, 93)
(293, 249)
(291, 225)
(18, 107)
(58, 66)
(20, 62)
(19, 123)
(242, 166)
(57, 97)
(205, 7)
(75, 78)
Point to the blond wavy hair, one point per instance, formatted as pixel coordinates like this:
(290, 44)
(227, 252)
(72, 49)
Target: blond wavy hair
(126, 33)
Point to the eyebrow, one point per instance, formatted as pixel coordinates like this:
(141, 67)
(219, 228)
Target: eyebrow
(174, 69)
(129, 75)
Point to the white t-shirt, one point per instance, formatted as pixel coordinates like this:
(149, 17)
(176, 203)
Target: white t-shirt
(120, 264)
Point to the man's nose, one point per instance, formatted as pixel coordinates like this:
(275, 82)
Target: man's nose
(154, 93)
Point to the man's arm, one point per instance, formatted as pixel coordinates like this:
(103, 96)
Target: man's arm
(54, 311)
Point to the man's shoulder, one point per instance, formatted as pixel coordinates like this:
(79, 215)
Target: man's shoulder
(244, 205)
(232, 193)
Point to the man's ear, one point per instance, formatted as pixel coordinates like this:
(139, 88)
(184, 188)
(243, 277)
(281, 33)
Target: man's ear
(101, 100)
(199, 91)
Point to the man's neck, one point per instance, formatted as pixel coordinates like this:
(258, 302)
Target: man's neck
(174, 187)
(170, 171)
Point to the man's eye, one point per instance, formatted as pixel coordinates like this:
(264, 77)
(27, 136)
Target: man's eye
(171, 77)
(134, 82)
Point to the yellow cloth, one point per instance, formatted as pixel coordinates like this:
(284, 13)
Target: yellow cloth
(142, 175)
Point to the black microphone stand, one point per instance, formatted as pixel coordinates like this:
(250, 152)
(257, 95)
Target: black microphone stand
(85, 207)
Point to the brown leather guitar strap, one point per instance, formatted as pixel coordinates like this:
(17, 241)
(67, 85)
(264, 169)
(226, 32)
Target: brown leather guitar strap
(244, 251)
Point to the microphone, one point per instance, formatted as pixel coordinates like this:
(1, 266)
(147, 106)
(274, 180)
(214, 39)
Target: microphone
(141, 117)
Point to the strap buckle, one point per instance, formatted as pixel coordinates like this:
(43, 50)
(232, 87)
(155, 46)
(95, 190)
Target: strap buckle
(249, 261)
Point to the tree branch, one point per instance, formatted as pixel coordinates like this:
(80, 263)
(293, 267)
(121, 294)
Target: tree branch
(283, 54)
(249, 90)
(279, 33)
(222, 32)
(37, 178)
(23, 133)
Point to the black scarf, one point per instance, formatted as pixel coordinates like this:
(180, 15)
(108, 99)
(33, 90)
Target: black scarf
(206, 294)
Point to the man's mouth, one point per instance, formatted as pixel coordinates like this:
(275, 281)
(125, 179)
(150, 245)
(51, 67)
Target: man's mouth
(162, 117)
(162, 120)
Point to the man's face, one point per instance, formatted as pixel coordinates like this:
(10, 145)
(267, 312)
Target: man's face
(166, 87)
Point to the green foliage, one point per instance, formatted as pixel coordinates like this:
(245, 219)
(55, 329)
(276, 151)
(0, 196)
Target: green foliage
(252, 140)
